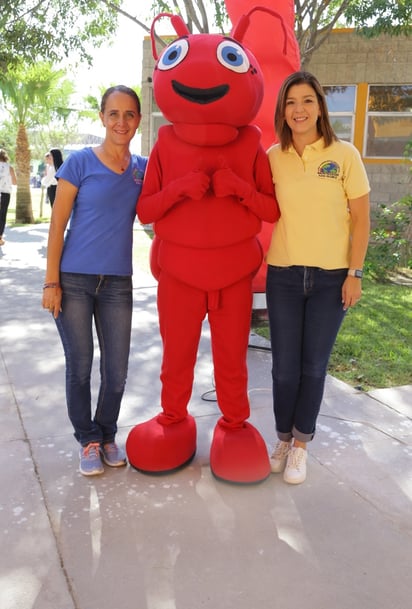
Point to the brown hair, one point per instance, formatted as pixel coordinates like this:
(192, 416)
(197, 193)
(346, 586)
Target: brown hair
(4, 157)
(283, 131)
(120, 89)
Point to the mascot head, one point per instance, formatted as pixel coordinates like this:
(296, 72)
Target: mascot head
(205, 79)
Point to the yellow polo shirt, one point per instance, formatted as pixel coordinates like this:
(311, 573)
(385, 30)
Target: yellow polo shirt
(313, 191)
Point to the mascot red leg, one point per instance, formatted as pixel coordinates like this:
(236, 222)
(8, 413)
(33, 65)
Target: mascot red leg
(207, 190)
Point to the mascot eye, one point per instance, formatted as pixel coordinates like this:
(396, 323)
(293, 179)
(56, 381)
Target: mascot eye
(173, 55)
(232, 56)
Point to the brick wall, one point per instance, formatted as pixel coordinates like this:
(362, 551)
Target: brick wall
(347, 57)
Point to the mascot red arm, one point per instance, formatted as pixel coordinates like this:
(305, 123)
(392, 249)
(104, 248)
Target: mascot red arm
(207, 189)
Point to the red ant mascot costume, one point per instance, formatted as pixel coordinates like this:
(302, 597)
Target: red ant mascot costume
(207, 189)
(273, 43)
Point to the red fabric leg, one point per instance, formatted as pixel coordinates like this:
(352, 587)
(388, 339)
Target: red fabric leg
(181, 312)
(238, 452)
(230, 327)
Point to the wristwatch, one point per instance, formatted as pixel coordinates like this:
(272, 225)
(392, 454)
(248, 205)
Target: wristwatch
(355, 273)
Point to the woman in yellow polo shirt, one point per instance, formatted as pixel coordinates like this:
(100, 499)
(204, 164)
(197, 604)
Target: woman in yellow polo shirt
(315, 260)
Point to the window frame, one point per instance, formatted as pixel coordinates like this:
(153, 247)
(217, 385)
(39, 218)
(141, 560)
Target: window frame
(383, 114)
(333, 114)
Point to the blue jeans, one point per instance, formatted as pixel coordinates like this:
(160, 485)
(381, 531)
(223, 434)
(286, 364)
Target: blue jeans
(106, 299)
(305, 313)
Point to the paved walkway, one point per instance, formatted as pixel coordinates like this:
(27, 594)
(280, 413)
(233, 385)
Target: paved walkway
(124, 540)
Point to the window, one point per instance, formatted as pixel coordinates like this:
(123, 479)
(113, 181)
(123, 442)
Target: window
(341, 105)
(389, 121)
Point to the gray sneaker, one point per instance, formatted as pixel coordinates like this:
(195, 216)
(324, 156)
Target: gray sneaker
(90, 461)
(113, 455)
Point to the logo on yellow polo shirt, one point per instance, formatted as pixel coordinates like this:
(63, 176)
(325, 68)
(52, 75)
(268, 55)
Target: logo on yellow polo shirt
(329, 169)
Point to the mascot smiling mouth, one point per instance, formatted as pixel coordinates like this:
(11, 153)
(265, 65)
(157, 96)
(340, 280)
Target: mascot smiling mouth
(200, 96)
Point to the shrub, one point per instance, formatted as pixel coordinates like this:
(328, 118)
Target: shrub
(390, 246)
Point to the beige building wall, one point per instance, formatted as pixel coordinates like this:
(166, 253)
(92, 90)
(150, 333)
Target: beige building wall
(347, 57)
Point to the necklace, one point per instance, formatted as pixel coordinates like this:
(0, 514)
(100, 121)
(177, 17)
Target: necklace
(126, 163)
(123, 163)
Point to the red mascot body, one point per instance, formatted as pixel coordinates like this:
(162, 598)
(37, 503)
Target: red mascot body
(273, 43)
(207, 189)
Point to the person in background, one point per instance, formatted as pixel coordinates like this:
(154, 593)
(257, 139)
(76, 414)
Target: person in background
(89, 274)
(315, 260)
(7, 180)
(54, 159)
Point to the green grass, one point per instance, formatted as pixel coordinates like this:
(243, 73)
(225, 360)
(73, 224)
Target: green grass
(40, 206)
(374, 345)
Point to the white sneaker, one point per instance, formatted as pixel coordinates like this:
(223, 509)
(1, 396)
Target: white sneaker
(295, 471)
(279, 457)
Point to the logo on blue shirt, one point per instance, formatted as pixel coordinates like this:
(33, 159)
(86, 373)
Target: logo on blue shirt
(138, 175)
(329, 169)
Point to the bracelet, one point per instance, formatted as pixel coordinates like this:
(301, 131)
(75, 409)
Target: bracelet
(52, 284)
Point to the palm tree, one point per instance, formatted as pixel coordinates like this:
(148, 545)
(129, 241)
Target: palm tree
(31, 95)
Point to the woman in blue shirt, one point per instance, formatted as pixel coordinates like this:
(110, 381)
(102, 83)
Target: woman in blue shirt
(89, 274)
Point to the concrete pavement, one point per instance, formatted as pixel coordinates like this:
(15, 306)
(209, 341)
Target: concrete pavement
(125, 540)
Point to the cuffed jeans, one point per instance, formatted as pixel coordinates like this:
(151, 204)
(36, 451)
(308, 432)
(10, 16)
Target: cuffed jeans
(305, 313)
(106, 299)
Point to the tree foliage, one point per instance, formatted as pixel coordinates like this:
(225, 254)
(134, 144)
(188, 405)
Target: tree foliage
(49, 29)
(374, 17)
(316, 18)
(32, 95)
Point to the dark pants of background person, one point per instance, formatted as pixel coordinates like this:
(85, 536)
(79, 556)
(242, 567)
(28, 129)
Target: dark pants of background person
(106, 300)
(51, 193)
(305, 313)
(4, 205)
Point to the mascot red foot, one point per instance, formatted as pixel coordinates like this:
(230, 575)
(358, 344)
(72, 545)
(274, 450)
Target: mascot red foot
(207, 189)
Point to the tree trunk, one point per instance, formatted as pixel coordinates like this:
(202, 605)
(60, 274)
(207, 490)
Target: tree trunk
(24, 211)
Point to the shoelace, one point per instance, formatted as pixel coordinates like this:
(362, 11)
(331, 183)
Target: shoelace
(93, 448)
(110, 447)
(296, 458)
(281, 450)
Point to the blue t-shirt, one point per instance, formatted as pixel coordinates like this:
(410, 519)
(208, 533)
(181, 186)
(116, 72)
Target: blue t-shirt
(99, 239)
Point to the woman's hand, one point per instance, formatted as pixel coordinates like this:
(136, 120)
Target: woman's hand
(52, 299)
(351, 291)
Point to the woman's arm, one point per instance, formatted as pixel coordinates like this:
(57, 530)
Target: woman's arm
(62, 208)
(13, 176)
(359, 210)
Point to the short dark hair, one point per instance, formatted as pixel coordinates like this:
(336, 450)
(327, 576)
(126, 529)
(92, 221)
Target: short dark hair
(283, 131)
(120, 89)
